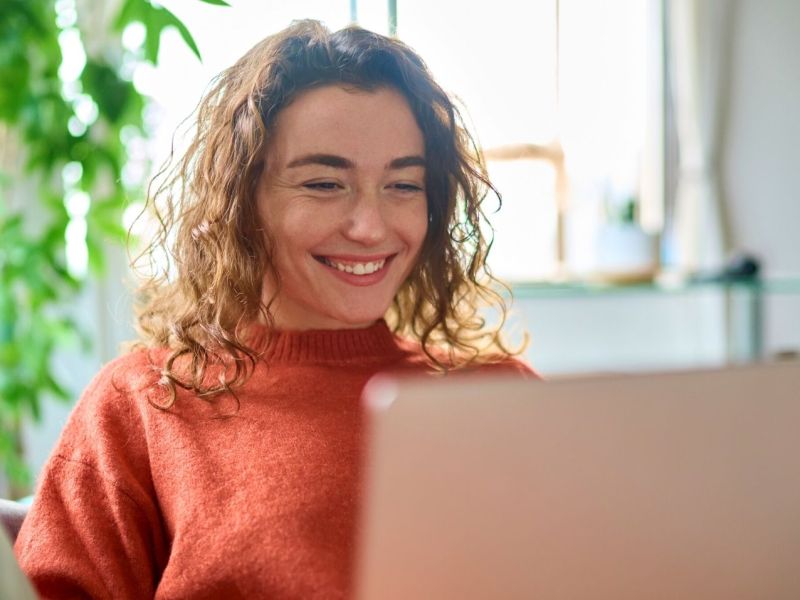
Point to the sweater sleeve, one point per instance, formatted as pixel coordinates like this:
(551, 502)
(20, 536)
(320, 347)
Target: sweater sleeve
(94, 529)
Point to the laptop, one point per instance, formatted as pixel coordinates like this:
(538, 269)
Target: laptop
(13, 584)
(673, 485)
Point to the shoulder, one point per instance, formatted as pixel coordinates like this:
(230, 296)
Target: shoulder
(112, 409)
(508, 365)
(105, 441)
(131, 372)
(415, 357)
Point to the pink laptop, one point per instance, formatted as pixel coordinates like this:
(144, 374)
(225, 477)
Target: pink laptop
(673, 485)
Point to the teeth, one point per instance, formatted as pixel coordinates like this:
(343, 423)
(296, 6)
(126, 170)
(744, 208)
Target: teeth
(357, 268)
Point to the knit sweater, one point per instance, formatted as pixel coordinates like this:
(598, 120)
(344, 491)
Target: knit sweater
(248, 498)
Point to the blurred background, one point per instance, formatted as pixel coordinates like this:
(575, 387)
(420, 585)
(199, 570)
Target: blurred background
(646, 152)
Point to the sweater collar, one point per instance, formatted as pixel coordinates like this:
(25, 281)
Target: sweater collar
(375, 342)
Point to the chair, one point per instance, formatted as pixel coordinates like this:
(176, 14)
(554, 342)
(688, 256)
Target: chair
(12, 514)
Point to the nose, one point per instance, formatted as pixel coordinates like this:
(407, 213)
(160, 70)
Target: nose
(366, 221)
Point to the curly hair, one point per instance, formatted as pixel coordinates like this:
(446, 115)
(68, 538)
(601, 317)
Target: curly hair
(209, 225)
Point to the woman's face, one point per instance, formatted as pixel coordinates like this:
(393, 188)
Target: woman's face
(343, 197)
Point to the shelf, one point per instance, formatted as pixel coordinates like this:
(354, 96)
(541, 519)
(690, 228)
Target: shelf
(544, 289)
(742, 302)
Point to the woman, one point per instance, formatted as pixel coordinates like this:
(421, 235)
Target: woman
(327, 227)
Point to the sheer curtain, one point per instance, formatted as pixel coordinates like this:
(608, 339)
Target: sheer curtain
(699, 32)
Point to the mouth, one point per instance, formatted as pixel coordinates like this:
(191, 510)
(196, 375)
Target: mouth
(356, 267)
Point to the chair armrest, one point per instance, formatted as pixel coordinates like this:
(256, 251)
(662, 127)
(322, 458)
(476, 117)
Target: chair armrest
(12, 514)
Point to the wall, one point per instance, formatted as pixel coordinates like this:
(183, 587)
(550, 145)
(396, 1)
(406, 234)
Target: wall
(761, 165)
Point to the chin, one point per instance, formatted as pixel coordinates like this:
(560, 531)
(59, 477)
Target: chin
(359, 319)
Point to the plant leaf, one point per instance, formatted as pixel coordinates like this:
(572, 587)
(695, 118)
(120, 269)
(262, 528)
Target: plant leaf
(132, 10)
(171, 19)
(110, 92)
(156, 19)
(152, 40)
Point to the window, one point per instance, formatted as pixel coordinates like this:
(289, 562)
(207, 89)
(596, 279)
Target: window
(565, 98)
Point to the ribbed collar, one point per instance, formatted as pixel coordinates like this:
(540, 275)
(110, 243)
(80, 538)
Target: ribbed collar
(372, 343)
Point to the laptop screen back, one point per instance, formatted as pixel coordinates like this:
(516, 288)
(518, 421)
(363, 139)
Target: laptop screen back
(681, 485)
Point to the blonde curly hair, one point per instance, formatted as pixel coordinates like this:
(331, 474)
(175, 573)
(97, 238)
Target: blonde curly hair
(208, 222)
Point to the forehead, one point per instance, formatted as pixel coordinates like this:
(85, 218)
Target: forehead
(364, 126)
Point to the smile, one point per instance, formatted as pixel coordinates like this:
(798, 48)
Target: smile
(354, 267)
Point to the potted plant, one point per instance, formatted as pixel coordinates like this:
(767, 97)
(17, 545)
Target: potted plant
(61, 160)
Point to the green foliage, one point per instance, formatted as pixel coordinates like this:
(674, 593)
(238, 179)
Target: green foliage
(35, 284)
(155, 20)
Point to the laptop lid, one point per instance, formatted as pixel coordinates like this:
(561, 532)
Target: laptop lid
(676, 485)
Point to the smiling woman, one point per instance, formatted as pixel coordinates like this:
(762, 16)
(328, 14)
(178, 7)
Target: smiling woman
(327, 227)
(300, 101)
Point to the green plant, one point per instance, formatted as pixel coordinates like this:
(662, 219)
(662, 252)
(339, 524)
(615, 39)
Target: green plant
(62, 156)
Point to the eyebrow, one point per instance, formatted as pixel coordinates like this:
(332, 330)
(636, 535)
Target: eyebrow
(340, 162)
(328, 160)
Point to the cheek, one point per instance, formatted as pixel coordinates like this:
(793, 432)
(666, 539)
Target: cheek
(297, 234)
(417, 228)
(277, 233)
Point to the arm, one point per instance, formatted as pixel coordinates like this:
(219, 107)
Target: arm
(94, 528)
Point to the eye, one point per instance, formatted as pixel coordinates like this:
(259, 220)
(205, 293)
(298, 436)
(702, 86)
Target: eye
(323, 186)
(407, 187)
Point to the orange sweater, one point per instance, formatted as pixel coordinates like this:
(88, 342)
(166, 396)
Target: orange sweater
(204, 500)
